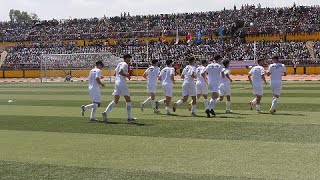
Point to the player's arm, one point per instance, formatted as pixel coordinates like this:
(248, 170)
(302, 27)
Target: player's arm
(124, 74)
(284, 71)
(269, 71)
(193, 74)
(98, 79)
(249, 77)
(145, 74)
(228, 77)
(172, 77)
(264, 78)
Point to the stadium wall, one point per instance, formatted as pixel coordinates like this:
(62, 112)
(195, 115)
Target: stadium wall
(139, 72)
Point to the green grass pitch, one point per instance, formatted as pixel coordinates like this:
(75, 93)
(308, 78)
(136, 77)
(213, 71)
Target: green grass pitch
(43, 136)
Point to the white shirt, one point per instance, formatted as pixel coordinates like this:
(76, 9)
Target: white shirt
(187, 72)
(276, 70)
(200, 79)
(256, 72)
(152, 72)
(214, 73)
(166, 74)
(94, 73)
(121, 80)
(225, 80)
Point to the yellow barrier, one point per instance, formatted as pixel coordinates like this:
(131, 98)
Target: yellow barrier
(106, 73)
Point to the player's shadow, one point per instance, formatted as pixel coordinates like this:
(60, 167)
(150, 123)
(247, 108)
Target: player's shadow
(179, 115)
(286, 114)
(227, 117)
(122, 123)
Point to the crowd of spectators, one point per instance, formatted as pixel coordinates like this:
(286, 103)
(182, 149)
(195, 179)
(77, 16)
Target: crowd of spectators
(248, 19)
(232, 49)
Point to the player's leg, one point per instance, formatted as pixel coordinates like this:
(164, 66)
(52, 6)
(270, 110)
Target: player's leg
(110, 107)
(129, 107)
(276, 90)
(228, 102)
(144, 103)
(256, 91)
(206, 102)
(258, 103)
(193, 106)
(167, 102)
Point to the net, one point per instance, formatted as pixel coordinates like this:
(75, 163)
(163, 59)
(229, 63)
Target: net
(70, 67)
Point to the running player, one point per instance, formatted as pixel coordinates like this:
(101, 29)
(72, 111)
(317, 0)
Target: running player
(167, 79)
(224, 88)
(94, 91)
(276, 71)
(188, 87)
(121, 88)
(214, 73)
(258, 78)
(151, 75)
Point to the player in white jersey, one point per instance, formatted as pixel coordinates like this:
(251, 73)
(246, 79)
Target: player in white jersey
(276, 71)
(257, 78)
(188, 87)
(213, 73)
(151, 75)
(121, 88)
(167, 80)
(94, 91)
(224, 88)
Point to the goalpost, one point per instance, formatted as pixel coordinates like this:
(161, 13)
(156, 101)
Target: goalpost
(56, 67)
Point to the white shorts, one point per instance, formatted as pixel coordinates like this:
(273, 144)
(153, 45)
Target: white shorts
(152, 88)
(167, 90)
(214, 88)
(121, 91)
(224, 90)
(95, 95)
(188, 89)
(258, 90)
(276, 89)
(201, 88)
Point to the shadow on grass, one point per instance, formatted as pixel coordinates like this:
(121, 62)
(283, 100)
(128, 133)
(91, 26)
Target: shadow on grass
(120, 123)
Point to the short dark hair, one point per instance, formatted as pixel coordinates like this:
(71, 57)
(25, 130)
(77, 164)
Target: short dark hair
(191, 59)
(217, 57)
(154, 61)
(127, 56)
(168, 62)
(225, 62)
(204, 62)
(259, 60)
(99, 63)
(276, 57)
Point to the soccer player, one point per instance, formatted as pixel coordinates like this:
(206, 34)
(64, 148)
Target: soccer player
(214, 73)
(224, 88)
(188, 87)
(276, 71)
(151, 75)
(257, 78)
(201, 85)
(167, 79)
(94, 91)
(121, 88)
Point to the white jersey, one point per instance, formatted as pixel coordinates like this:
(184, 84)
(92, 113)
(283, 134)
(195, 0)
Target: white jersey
(153, 72)
(187, 72)
(200, 79)
(225, 80)
(121, 80)
(166, 74)
(276, 70)
(94, 73)
(256, 72)
(214, 73)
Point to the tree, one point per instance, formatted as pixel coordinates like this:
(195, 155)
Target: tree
(22, 16)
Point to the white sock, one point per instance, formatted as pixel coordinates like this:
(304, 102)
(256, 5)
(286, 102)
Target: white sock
(211, 104)
(89, 106)
(93, 111)
(129, 110)
(206, 102)
(193, 108)
(254, 101)
(258, 107)
(228, 105)
(109, 107)
(274, 103)
(168, 109)
(148, 100)
(179, 102)
(217, 101)
(161, 101)
(153, 104)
